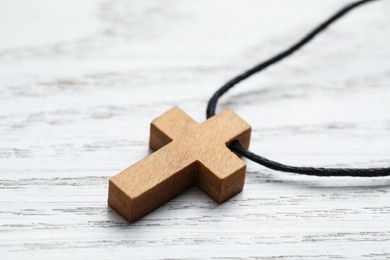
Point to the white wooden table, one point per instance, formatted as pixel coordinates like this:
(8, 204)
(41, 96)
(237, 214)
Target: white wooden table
(80, 82)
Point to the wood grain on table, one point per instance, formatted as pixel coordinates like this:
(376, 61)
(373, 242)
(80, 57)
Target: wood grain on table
(80, 82)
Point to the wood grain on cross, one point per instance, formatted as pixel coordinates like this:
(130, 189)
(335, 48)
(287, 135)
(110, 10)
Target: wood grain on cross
(187, 153)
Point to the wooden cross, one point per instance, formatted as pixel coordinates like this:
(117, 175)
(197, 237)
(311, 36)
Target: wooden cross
(187, 153)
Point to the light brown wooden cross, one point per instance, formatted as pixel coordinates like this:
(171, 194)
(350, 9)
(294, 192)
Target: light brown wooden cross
(187, 153)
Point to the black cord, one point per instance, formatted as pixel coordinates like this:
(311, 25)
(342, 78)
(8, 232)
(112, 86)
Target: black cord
(238, 148)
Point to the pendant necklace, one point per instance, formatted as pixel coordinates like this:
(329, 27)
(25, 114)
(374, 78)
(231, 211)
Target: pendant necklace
(207, 155)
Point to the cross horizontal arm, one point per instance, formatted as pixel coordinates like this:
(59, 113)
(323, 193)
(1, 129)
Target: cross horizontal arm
(170, 125)
(222, 175)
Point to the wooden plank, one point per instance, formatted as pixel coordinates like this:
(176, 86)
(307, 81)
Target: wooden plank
(77, 96)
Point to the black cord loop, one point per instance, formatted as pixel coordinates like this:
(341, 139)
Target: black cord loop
(238, 148)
